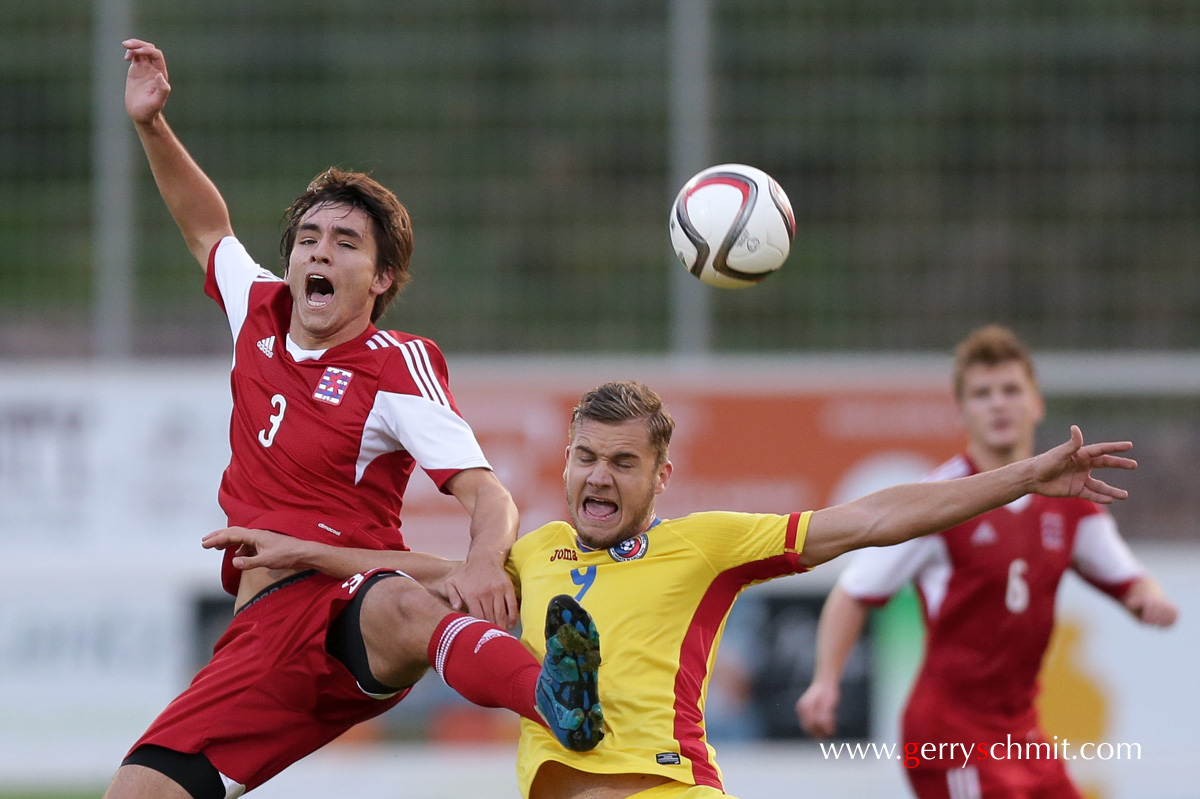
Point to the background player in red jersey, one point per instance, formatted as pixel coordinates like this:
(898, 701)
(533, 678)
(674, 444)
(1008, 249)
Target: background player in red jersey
(987, 587)
(330, 418)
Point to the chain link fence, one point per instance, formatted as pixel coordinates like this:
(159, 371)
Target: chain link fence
(950, 163)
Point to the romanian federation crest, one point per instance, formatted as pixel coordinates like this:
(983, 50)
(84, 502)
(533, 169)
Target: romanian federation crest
(630, 549)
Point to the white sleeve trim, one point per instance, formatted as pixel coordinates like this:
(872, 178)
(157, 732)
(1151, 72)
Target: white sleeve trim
(235, 272)
(1100, 554)
(417, 358)
(436, 436)
(879, 572)
(933, 579)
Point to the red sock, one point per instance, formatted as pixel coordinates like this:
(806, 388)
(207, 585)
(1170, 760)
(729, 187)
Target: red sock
(485, 664)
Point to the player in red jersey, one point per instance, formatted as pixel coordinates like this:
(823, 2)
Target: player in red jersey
(663, 588)
(330, 417)
(987, 587)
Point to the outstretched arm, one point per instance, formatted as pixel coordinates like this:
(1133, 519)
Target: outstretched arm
(841, 624)
(271, 550)
(190, 196)
(1102, 557)
(906, 511)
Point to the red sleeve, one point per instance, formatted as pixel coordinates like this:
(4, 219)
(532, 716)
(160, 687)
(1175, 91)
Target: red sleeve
(210, 277)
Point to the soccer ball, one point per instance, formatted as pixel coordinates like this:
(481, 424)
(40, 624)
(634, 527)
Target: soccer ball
(732, 225)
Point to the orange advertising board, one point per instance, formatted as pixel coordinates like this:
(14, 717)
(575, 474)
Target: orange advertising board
(743, 441)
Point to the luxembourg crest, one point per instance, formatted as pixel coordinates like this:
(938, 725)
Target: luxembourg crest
(630, 549)
(332, 386)
(1054, 535)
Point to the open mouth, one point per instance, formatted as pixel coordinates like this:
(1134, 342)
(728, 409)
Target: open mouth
(599, 509)
(318, 290)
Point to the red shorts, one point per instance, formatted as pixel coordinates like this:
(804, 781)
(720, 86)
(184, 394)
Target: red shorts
(271, 694)
(1008, 757)
(983, 782)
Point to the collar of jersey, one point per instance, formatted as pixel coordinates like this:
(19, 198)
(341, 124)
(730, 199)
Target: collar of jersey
(299, 354)
(585, 548)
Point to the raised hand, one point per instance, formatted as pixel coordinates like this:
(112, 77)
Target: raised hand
(146, 86)
(1066, 470)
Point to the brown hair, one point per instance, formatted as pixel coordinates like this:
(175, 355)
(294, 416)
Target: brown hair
(989, 346)
(393, 227)
(613, 403)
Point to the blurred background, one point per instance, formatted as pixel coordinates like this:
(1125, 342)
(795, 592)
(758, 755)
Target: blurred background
(951, 164)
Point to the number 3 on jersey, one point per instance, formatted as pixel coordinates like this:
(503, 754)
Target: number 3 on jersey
(266, 436)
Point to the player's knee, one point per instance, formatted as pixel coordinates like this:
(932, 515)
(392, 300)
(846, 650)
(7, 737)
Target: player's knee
(403, 603)
(398, 617)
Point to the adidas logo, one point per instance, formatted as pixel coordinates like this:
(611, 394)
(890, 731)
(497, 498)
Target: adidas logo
(267, 345)
(489, 635)
(984, 534)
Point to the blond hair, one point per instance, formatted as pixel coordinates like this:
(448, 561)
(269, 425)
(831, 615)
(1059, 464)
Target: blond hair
(990, 346)
(613, 403)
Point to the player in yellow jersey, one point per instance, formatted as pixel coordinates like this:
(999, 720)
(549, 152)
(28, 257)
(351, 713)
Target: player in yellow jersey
(660, 590)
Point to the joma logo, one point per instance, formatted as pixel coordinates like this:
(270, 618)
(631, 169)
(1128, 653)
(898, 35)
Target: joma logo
(563, 554)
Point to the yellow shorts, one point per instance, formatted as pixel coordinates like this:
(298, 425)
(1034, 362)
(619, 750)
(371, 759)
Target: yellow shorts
(680, 790)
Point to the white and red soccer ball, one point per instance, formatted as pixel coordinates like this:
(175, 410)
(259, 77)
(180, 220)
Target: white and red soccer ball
(732, 225)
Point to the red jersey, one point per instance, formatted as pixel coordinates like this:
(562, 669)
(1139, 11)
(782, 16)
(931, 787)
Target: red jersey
(987, 589)
(323, 442)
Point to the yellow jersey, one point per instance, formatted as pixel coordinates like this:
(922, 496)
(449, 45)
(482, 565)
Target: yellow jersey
(660, 601)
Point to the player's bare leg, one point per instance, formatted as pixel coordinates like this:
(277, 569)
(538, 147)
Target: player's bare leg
(558, 781)
(398, 618)
(139, 782)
